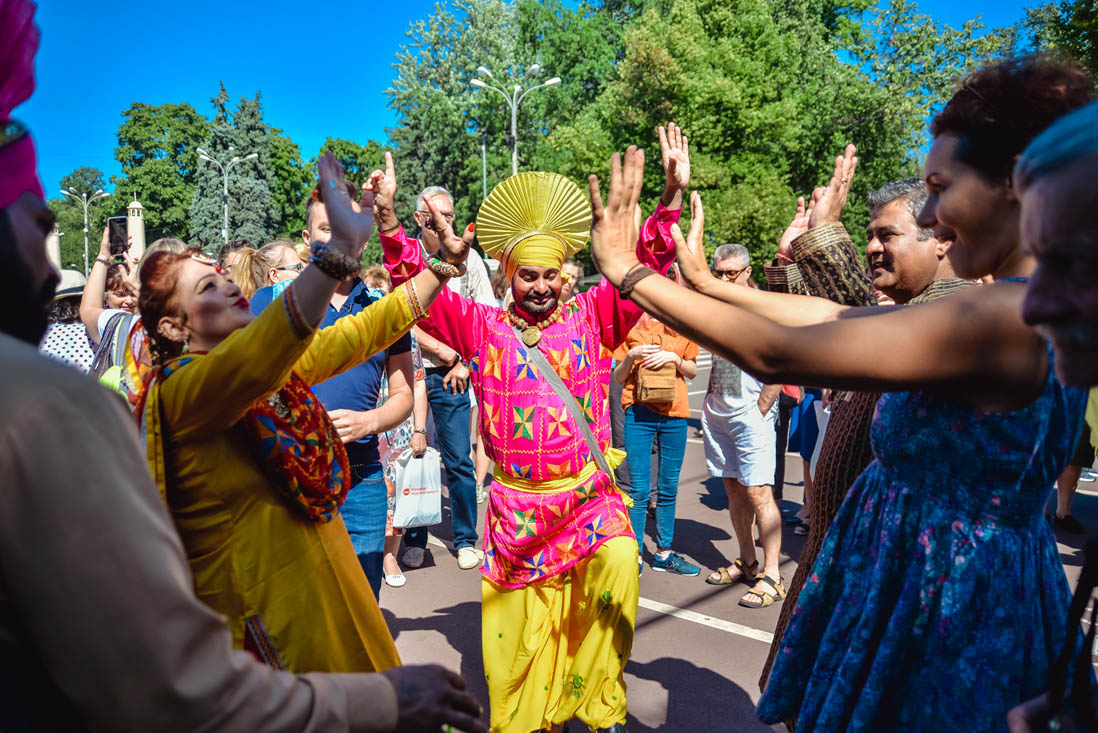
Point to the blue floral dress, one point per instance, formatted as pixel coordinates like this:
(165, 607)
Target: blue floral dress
(938, 600)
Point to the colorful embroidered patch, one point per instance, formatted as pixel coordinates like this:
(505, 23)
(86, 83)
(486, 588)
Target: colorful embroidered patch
(524, 368)
(526, 524)
(524, 423)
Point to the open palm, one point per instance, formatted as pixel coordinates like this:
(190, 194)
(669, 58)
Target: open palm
(352, 222)
(675, 152)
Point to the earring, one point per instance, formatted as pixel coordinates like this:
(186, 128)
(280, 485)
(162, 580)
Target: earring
(186, 343)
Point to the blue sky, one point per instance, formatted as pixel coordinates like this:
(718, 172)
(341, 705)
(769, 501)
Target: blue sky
(322, 66)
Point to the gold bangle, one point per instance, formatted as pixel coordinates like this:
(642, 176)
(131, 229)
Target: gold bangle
(440, 266)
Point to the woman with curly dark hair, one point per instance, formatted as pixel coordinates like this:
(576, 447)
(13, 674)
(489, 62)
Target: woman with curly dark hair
(938, 599)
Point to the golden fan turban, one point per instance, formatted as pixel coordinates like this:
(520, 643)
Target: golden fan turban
(535, 219)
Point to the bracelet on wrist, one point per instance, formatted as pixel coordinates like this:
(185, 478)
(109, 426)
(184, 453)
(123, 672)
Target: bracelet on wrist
(104, 260)
(445, 269)
(420, 431)
(390, 229)
(334, 264)
(636, 273)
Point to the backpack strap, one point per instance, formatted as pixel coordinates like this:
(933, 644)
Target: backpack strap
(101, 360)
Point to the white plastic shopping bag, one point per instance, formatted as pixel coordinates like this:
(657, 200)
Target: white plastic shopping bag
(418, 485)
(823, 415)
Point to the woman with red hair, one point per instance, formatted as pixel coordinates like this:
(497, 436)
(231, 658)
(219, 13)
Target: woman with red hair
(244, 454)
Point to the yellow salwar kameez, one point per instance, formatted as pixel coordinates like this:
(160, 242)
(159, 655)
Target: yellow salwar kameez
(565, 660)
(294, 583)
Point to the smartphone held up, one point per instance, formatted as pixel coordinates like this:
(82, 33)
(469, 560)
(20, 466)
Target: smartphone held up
(116, 233)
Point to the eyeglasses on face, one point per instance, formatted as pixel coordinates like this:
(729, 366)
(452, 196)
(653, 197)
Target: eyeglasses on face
(448, 216)
(292, 268)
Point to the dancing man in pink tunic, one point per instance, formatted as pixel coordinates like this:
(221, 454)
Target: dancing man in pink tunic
(559, 584)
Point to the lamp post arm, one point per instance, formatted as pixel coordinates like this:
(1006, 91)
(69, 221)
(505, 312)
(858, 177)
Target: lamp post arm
(510, 101)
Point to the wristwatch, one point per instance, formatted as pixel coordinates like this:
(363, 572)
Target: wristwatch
(422, 431)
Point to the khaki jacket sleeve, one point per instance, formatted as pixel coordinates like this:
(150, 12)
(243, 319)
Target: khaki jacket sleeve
(96, 576)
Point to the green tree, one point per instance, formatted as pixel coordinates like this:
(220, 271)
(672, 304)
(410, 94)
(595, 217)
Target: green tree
(443, 120)
(767, 100)
(358, 161)
(156, 150)
(207, 205)
(70, 215)
(252, 207)
(253, 214)
(916, 61)
(436, 106)
(1070, 26)
(293, 180)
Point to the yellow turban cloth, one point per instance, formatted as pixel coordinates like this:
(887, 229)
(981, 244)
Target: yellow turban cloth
(533, 218)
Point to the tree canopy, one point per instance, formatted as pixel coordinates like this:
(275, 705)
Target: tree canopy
(769, 91)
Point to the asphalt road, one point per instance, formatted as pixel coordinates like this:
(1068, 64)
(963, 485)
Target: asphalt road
(697, 654)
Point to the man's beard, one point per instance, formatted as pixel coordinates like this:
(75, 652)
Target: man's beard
(23, 307)
(538, 309)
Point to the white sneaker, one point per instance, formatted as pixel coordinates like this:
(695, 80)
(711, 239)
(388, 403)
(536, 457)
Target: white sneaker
(469, 558)
(396, 580)
(413, 557)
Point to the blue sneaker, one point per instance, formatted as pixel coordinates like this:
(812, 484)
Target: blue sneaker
(640, 567)
(674, 563)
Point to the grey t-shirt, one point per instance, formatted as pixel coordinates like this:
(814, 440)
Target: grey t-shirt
(731, 390)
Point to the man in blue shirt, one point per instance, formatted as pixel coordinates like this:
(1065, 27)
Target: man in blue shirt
(351, 400)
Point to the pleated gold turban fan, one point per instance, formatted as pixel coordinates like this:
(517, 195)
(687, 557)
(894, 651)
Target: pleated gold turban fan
(534, 218)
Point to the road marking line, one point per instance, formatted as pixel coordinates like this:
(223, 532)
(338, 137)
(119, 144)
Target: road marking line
(700, 618)
(669, 610)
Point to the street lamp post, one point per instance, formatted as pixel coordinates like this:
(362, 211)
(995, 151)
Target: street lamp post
(514, 99)
(225, 174)
(85, 200)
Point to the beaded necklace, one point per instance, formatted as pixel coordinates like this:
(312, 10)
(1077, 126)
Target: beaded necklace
(531, 334)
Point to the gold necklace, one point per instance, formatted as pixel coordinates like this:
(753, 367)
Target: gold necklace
(531, 334)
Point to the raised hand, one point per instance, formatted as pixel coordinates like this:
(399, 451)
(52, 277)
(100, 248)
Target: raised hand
(675, 152)
(352, 222)
(797, 227)
(451, 248)
(383, 185)
(613, 233)
(691, 250)
(829, 206)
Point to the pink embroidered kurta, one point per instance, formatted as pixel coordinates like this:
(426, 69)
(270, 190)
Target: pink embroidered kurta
(527, 430)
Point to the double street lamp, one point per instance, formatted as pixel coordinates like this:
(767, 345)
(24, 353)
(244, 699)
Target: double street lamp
(225, 168)
(514, 99)
(85, 200)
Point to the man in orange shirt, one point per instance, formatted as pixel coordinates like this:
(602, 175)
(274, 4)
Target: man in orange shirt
(650, 414)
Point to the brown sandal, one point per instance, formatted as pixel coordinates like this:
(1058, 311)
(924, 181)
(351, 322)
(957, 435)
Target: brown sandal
(747, 573)
(768, 598)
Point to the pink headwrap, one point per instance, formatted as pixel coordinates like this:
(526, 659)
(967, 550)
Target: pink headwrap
(18, 45)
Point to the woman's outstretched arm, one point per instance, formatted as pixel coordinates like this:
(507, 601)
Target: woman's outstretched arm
(972, 344)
